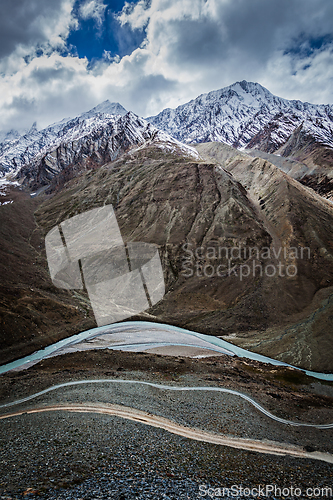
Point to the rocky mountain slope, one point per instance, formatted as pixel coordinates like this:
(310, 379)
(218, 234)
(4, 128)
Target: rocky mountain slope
(230, 201)
(205, 208)
(33, 313)
(295, 217)
(246, 115)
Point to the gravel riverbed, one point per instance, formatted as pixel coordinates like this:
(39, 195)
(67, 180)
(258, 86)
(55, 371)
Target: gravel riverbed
(62, 455)
(71, 455)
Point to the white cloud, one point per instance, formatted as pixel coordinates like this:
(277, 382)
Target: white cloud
(57, 27)
(136, 15)
(306, 79)
(190, 47)
(93, 9)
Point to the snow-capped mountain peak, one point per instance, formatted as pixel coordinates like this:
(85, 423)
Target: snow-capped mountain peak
(107, 108)
(238, 113)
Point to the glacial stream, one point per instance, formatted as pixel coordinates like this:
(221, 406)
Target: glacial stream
(186, 338)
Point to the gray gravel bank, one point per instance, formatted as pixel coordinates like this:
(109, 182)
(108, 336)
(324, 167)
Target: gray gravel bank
(87, 456)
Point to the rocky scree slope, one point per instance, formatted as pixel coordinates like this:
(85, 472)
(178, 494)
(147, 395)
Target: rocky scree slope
(295, 217)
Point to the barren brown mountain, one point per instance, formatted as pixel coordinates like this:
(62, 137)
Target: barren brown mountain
(229, 201)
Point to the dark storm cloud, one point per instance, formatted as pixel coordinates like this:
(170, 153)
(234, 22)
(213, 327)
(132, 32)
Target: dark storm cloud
(197, 41)
(23, 22)
(150, 89)
(260, 26)
(254, 29)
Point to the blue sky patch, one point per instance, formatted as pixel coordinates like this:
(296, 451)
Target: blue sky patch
(91, 39)
(304, 46)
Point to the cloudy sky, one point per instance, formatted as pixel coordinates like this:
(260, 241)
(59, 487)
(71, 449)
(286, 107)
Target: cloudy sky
(59, 58)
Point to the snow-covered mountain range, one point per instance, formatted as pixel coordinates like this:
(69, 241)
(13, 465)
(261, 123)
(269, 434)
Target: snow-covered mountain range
(245, 114)
(93, 138)
(18, 150)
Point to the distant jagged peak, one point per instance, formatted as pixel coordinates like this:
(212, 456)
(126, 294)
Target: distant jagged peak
(244, 87)
(11, 135)
(107, 108)
(33, 128)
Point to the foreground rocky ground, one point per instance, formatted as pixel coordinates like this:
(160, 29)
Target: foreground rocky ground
(64, 455)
